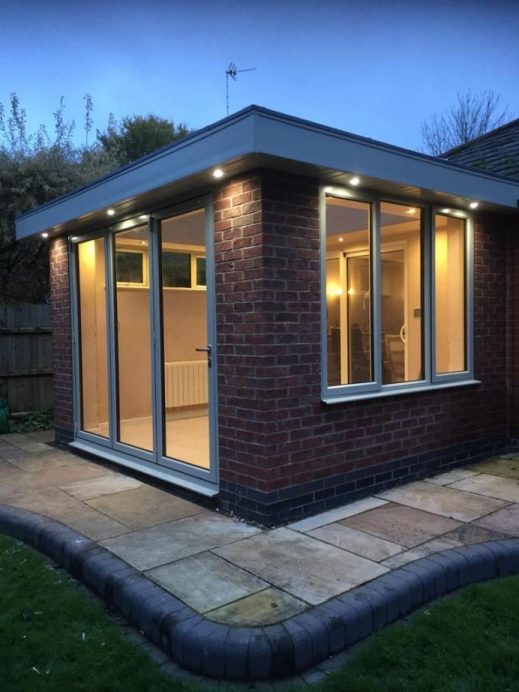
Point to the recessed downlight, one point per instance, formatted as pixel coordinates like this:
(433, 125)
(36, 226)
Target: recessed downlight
(445, 211)
(328, 189)
(143, 217)
(411, 210)
(44, 235)
(110, 212)
(341, 240)
(474, 205)
(217, 173)
(355, 180)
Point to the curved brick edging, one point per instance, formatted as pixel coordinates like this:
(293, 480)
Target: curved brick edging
(258, 653)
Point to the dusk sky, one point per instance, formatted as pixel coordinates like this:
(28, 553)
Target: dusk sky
(373, 68)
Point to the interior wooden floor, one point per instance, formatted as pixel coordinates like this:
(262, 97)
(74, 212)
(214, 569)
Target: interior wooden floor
(187, 435)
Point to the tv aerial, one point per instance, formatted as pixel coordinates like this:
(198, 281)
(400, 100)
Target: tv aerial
(232, 71)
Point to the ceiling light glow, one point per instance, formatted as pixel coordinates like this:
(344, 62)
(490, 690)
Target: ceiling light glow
(110, 212)
(445, 211)
(44, 235)
(473, 205)
(218, 173)
(355, 180)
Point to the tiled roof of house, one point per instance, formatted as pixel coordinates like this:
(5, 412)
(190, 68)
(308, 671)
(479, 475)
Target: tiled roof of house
(496, 151)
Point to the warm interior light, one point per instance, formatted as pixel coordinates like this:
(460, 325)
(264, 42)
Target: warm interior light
(333, 291)
(143, 242)
(110, 212)
(473, 205)
(218, 173)
(355, 180)
(411, 210)
(351, 291)
(44, 235)
(341, 240)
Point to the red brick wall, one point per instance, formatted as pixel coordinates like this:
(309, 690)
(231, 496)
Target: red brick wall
(61, 338)
(284, 453)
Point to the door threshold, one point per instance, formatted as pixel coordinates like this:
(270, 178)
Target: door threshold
(195, 485)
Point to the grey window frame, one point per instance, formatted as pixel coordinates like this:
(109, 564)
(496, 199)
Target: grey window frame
(431, 380)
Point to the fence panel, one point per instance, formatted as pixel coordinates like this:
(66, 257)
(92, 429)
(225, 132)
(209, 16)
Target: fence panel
(26, 357)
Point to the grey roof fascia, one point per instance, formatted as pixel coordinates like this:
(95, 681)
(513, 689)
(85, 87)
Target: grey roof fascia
(212, 147)
(256, 133)
(333, 149)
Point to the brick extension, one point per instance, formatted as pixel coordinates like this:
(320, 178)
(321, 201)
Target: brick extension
(284, 454)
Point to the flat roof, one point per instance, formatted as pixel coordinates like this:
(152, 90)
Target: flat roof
(258, 137)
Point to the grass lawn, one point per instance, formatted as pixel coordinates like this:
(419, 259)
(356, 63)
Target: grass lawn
(53, 637)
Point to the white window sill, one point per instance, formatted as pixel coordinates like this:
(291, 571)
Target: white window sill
(345, 398)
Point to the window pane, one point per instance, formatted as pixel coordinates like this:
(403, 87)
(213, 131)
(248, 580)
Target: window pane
(348, 292)
(92, 337)
(185, 370)
(401, 293)
(449, 292)
(200, 271)
(176, 270)
(129, 267)
(133, 341)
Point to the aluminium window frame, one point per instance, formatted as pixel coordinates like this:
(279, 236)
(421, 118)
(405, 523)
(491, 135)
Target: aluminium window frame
(430, 380)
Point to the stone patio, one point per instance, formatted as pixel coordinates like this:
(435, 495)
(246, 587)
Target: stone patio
(237, 574)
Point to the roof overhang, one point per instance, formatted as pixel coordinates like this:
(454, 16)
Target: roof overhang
(256, 137)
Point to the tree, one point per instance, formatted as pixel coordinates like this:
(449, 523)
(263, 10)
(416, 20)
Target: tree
(471, 116)
(138, 135)
(35, 168)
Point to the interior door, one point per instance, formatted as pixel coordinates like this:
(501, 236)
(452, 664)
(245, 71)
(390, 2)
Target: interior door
(187, 344)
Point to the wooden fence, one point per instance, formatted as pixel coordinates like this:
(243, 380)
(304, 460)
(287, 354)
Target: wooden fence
(26, 357)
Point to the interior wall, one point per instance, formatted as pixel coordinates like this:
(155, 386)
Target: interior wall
(184, 330)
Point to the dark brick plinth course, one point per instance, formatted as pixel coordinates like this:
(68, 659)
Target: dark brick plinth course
(258, 653)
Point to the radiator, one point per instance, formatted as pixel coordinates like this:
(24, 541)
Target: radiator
(186, 383)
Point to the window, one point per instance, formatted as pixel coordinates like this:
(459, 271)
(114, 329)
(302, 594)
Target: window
(176, 270)
(385, 329)
(130, 267)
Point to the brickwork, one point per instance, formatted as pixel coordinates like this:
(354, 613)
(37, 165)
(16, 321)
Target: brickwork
(283, 453)
(62, 339)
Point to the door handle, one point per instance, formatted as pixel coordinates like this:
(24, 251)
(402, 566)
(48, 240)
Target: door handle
(206, 349)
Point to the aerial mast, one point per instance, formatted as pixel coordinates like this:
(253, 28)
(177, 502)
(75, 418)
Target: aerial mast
(232, 71)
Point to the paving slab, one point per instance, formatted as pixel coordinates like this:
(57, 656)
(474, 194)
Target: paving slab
(143, 507)
(95, 525)
(305, 567)
(55, 475)
(26, 443)
(403, 525)
(174, 540)
(358, 542)
(50, 501)
(334, 515)
(34, 463)
(46, 436)
(491, 486)
(506, 465)
(423, 550)
(263, 608)
(451, 476)
(505, 520)
(206, 581)
(106, 484)
(447, 502)
(468, 534)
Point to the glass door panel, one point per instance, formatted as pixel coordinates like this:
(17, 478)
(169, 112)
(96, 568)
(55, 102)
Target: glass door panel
(186, 359)
(93, 349)
(133, 338)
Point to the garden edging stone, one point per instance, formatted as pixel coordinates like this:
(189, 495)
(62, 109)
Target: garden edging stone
(258, 653)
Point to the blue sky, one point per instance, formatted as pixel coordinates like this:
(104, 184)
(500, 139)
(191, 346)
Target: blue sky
(374, 68)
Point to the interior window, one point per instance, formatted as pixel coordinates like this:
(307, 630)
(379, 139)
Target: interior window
(401, 292)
